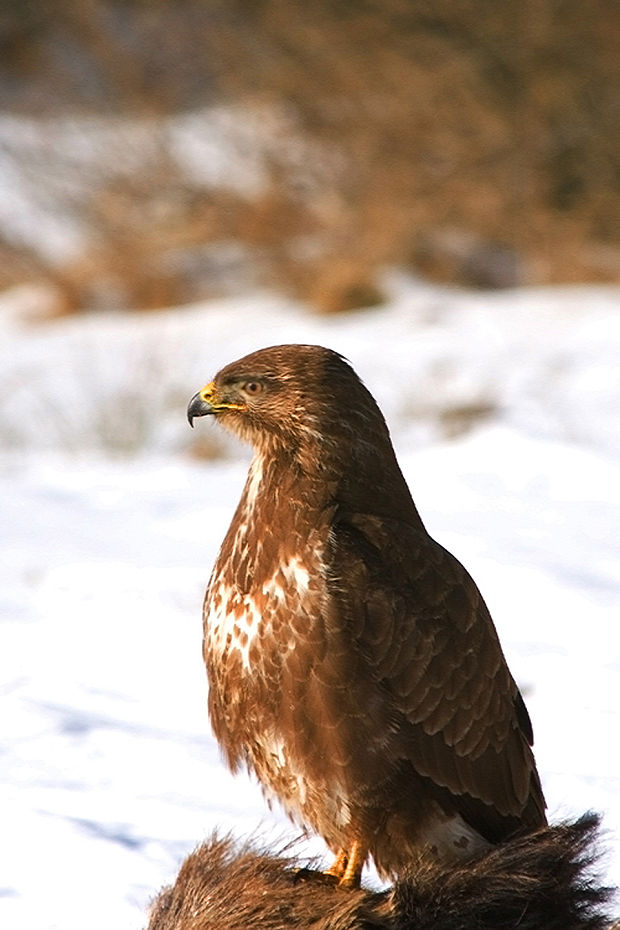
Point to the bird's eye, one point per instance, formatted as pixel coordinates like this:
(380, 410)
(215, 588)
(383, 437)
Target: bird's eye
(252, 387)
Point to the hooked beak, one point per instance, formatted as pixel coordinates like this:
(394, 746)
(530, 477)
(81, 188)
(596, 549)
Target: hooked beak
(207, 401)
(198, 407)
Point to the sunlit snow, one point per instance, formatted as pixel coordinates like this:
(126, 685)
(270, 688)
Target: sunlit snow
(505, 412)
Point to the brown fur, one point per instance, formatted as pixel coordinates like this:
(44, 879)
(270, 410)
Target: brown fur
(541, 882)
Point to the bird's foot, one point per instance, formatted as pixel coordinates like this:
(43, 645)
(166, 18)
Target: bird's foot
(347, 866)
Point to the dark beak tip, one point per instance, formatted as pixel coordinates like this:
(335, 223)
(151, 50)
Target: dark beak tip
(197, 407)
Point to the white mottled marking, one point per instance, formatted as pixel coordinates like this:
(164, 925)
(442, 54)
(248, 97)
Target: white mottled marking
(290, 576)
(296, 574)
(230, 617)
(279, 765)
(455, 839)
(273, 747)
(273, 587)
(255, 476)
(296, 795)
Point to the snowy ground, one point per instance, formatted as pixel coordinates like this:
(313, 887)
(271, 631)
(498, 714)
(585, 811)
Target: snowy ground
(108, 528)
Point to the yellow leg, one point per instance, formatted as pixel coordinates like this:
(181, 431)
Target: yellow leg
(348, 864)
(352, 874)
(338, 866)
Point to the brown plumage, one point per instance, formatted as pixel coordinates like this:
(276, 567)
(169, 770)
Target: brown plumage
(352, 662)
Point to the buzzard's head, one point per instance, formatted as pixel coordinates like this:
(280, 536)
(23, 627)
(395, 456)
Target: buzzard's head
(293, 397)
(304, 406)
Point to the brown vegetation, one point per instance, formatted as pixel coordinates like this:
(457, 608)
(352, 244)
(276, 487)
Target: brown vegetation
(476, 143)
(541, 882)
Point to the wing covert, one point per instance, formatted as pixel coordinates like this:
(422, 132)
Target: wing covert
(420, 622)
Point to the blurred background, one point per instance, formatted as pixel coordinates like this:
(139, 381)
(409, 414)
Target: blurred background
(154, 152)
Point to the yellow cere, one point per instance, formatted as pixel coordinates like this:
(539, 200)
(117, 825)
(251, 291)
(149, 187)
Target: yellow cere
(207, 392)
(207, 395)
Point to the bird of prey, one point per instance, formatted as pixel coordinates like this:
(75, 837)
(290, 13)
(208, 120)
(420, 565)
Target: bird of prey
(353, 665)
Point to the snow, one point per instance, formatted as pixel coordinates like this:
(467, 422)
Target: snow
(109, 526)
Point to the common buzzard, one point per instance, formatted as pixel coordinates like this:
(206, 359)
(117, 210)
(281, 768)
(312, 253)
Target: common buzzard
(352, 662)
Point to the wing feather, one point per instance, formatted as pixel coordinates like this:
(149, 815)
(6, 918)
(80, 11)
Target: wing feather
(428, 641)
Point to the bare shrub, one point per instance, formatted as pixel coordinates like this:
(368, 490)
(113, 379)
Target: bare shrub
(476, 142)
